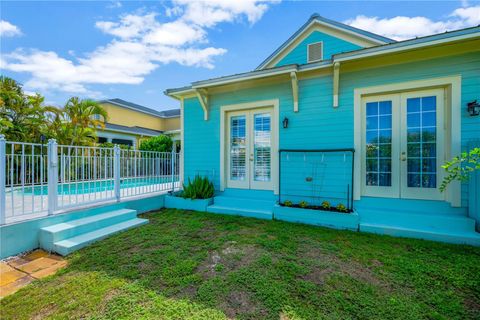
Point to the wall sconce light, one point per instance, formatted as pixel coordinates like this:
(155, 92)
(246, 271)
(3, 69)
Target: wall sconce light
(473, 108)
(285, 123)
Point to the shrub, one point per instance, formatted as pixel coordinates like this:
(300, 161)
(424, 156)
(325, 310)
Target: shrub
(199, 188)
(460, 168)
(288, 203)
(303, 204)
(160, 143)
(340, 207)
(326, 205)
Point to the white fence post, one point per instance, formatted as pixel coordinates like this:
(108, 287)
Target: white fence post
(52, 158)
(3, 176)
(172, 162)
(116, 171)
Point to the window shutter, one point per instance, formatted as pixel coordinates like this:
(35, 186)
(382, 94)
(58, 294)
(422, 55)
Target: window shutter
(315, 51)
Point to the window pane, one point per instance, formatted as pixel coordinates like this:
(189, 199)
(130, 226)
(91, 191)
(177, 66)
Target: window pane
(237, 148)
(421, 137)
(378, 147)
(262, 147)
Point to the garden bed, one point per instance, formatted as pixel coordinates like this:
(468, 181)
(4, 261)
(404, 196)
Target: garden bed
(330, 218)
(178, 202)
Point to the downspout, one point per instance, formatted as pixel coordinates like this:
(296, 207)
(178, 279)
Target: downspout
(336, 82)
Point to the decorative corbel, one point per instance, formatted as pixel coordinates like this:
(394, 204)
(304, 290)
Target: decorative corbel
(293, 77)
(202, 96)
(336, 82)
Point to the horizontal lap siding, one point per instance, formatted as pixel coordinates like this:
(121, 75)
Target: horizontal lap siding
(331, 45)
(318, 125)
(466, 65)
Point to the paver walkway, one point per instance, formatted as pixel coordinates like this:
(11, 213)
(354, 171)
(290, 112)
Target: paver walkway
(17, 272)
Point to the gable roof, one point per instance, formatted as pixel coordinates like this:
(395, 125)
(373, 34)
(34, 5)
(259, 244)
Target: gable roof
(466, 34)
(134, 130)
(136, 107)
(316, 18)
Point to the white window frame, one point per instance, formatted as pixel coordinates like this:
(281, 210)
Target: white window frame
(453, 109)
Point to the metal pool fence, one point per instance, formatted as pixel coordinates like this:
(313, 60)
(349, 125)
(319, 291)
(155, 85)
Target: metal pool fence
(38, 179)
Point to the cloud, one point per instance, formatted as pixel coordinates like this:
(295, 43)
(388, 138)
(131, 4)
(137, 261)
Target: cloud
(402, 28)
(9, 30)
(140, 44)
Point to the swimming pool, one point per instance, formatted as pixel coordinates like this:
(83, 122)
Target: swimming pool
(84, 187)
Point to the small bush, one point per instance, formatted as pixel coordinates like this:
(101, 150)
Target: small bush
(288, 203)
(160, 143)
(303, 204)
(199, 188)
(326, 205)
(340, 207)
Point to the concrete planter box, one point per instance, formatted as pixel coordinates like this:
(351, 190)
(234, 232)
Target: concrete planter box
(329, 219)
(187, 204)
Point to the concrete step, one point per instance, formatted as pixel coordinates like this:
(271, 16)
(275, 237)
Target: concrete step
(67, 246)
(434, 223)
(467, 237)
(249, 194)
(244, 212)
(72, 228)
(414, 206)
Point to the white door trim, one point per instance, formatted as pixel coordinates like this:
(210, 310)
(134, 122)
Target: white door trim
(453, 107)
(273, 103)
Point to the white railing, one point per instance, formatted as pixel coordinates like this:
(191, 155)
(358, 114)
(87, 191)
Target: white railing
(37, 180)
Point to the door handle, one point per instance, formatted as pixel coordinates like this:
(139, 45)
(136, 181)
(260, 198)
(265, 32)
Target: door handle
(403, 157)
(251, 157)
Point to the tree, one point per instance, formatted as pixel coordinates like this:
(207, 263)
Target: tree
(460, 168)
(83, 117)
(160, 143)
(22, 117)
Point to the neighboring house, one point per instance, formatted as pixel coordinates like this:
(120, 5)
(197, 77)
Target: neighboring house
(129, 123)
(400, 106)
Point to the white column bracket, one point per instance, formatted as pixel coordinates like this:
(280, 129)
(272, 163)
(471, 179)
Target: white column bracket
(293, 77)
(336, 83)
(202, 96)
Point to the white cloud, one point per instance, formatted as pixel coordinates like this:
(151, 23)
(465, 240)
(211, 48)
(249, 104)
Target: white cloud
(8, 30)
(401, 28)
(140, 44)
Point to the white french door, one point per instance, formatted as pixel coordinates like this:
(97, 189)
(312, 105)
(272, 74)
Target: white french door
(403, 144)
(249, 149)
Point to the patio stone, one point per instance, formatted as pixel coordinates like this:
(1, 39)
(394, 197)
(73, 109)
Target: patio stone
(20, 271)
(15, 286)
(10, 276)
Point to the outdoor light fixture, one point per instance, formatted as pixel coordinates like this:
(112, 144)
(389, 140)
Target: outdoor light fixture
(473, 108)
(285, 123)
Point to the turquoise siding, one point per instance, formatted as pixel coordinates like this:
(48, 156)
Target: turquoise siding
(331, 46)
(317, 124)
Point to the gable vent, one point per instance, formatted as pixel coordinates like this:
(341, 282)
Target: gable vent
(315, 52)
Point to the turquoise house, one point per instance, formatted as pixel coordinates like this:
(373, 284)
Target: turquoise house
(341, 117)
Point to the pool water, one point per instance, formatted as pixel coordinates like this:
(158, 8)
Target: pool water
(96, 186)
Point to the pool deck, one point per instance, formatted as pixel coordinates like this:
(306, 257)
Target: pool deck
(36, 206)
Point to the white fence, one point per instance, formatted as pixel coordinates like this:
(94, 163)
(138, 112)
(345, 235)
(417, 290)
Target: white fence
(37, 180)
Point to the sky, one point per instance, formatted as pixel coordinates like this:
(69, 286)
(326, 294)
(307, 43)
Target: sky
(134, 50)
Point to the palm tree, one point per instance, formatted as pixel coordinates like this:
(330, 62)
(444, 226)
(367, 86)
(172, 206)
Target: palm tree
(82, 118)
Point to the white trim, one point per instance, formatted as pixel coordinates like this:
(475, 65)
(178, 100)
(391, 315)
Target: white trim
(308, 52)
(203, 98)
(336, 83)
(182, 142)
(404, 48)
(294, 79)
(452, 83)
(275, 135)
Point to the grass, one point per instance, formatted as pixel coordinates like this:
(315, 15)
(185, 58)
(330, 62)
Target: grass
(190, 265)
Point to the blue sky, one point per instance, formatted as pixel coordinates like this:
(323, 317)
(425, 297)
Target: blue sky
(134, 50)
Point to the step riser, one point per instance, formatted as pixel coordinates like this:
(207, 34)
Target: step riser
(48, 238)
(249, 194)
(418, 221)
(413, 206)
(66, 250)
(455, 239)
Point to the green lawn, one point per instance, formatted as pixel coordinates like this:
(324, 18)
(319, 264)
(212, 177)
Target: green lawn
(190, 265)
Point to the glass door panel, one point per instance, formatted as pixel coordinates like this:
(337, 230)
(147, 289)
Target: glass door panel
(238, 167)
(422, 150)
(262, 147)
